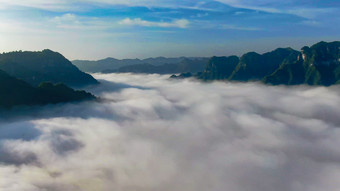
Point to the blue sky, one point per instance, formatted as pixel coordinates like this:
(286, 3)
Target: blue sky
(94, 29)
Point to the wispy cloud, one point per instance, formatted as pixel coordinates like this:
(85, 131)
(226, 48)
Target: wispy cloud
(68, 18)
(310, 13)
(62, 5)
(55, 5)
(233, 27)
(180, 23)
(292, 7)
(311, 23)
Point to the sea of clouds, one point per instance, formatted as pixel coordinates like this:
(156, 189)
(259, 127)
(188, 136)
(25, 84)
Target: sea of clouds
(154, 134)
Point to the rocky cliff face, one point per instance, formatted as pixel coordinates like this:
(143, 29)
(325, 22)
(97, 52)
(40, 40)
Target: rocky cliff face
(315, 65)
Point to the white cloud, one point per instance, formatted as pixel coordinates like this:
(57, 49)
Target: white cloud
(292, 7)
(312, 23)
(68, 17)
(67, 21)
(261, 5)
(272, 6)
(167, 135)
(46, 26)
(83, 24)
(64, 5)
(201, 15)
(233, 27)
(311, 13)
(48, 5)
(180, 23)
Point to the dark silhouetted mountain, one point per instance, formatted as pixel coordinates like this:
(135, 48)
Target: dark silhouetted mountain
(219, 68)
(15, 92)
(253, 66)
(37, 67)
(163, 60)
(136, 68)
(186, 65)
(112, 64)
(105, 64)
(315, 65)
(182, 76)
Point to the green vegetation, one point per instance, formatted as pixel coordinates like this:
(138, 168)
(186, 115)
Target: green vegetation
(253, 66)
(38, 67)
(220, 68)
(15, 92)
(315, 65)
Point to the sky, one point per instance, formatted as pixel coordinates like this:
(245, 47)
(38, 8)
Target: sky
(156, 134)
(95, 29)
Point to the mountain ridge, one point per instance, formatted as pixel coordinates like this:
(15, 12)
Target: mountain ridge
(318, 64)
(36, 67)
(112, 64)
(186, 65)
(16, 92)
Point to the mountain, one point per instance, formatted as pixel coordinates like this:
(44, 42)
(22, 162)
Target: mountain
(37, 67)
(163, 60)
(139, 68)
(185, 75)
(105, 64)
(254, 66)
(186, 65)
(112, 64)
(219, 68)
(15, 92)
(315, 65)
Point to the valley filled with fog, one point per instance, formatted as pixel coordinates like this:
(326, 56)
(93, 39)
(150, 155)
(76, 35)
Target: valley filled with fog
(149, 133)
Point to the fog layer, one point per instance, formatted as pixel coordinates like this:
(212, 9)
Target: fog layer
(155, 134)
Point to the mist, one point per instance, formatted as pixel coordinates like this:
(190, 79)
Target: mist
(150, 133)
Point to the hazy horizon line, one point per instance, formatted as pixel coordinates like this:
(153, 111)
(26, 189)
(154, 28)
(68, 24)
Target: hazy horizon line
(169, 57)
